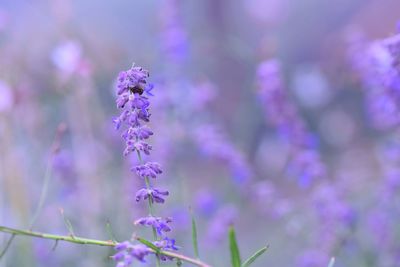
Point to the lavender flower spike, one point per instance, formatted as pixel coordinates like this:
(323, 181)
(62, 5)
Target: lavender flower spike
(132, 99)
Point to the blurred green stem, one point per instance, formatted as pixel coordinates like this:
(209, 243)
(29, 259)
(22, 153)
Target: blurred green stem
(44, 191)
(87, 241)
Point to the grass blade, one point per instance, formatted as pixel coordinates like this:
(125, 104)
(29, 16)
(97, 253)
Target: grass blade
(250, 260)
(148, 244)
(110, 232)
(194, 238)
(235, 255)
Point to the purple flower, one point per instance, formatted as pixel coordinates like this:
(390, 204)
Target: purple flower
(306, 165)
(142, 132)
(219, 225)
(206, 202)
(131, 87)
(63, 164)
(378, 64)
(139, 251)
(156, 195)
(312, 258)
(174, 39)
(122, 100)
(137, 101)
(137, 146)
(132, 80)
(305, 162)
(120, 119)
(166, 244)
(212, 142)
(122, 246)
(120, 256)
(127, 252)
(150, 169)
(158, 223)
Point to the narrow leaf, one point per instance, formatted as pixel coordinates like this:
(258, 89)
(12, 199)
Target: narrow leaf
(148, 244)
(110, 232)
(250, 260)
(235, 255)
(67, 224)
(332, 262)
(194, 238)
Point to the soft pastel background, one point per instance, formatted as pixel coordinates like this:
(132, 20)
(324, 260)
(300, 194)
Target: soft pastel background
(223, 156)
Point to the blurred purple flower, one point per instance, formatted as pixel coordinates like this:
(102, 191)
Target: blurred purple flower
(7, 97)
(160, 224)
(378, 223)
(267, 11)
(305, 162)
(219, 225)
(331, 207)
(174, 39)
(312, 258)
(4, 19)
(306, 165)
(67, 56)
(166, 243)
(212, 142)
(63, 164)
(378, 64)
(206, 202)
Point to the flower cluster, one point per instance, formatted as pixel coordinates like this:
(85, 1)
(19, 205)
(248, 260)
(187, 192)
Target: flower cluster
(174, 38)
(377, 63)
(126, 253)
(212, 142)
(305, 162)
(133, 93)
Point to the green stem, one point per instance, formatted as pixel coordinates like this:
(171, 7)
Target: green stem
(148, 186)
(72, 239)
(88, 241)
(10, 240)
(43, 193)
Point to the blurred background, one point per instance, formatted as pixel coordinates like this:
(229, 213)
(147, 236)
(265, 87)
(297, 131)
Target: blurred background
(266, 115)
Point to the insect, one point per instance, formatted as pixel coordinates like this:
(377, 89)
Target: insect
(136, 90)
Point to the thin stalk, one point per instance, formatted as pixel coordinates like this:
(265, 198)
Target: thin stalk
(45, 186)
(148, 186)
(150, 201)
(10, 240)
(88, 241)
(67, 238)
(43, 194)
